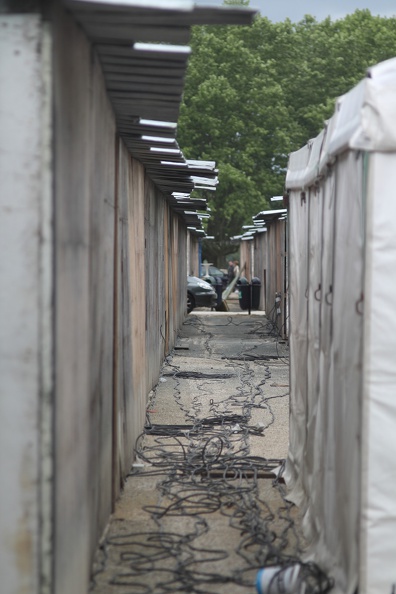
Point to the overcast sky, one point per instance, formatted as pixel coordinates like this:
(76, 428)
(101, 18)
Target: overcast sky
(279, 10)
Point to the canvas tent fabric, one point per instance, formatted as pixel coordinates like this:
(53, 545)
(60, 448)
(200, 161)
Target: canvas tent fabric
(341, 467)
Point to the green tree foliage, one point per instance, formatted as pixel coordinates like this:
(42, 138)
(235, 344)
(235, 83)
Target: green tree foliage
(254, 94)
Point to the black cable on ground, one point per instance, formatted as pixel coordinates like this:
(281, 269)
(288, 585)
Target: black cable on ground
(206, 472)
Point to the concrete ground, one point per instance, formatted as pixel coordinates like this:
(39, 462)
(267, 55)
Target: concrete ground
(202, 510)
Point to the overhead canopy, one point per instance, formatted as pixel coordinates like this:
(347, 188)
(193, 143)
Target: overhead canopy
(142, 48)
(260, 222)
(269, 216)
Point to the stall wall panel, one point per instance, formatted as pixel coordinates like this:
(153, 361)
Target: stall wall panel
(314, 294)
(100, 367)
(193, 255)
(298, 292)
(326, 510)
(282, 234)
(137, 274)
(123, 394)
(155, 286)
(265, 257)
(175, 281)
(102, 212)
(350, 501)
(323, 467)
(72, 96)
(178, 282)
(271, 274)
(260, 267)
(247, 259)
(22, 296)
(244, 255)
(347, 345)
(378, 520)
(73, 228)
(275, 275)
(181, 280)
(173, 257)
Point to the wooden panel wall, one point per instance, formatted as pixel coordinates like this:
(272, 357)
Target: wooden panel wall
(73, 417)
(260, 267)
(269, 264)
(137, 280)
(181, 279)
(123, 415)
(101, 241)
(276, 272)
(120, 296)
(193, 255)
(244, 255)
(173, 266)
(155, 282)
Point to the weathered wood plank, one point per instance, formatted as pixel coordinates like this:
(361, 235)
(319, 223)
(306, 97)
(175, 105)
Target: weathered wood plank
(138, 292)
(72, 78)
(102, 211)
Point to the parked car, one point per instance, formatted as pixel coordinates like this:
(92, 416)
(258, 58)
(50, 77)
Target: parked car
(200, 294)
(214, 271)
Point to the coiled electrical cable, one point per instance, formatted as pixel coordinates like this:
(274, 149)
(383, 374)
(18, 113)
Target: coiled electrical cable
(207, 476)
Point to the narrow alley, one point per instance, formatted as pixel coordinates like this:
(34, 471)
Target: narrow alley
(203, 507)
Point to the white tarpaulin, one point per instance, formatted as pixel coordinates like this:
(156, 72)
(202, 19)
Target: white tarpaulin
(341, 468)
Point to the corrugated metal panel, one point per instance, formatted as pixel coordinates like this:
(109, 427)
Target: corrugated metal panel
(144, 77)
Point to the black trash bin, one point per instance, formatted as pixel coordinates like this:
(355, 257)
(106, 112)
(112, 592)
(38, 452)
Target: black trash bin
(243, 288)
(256, 289)
(249, 293)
